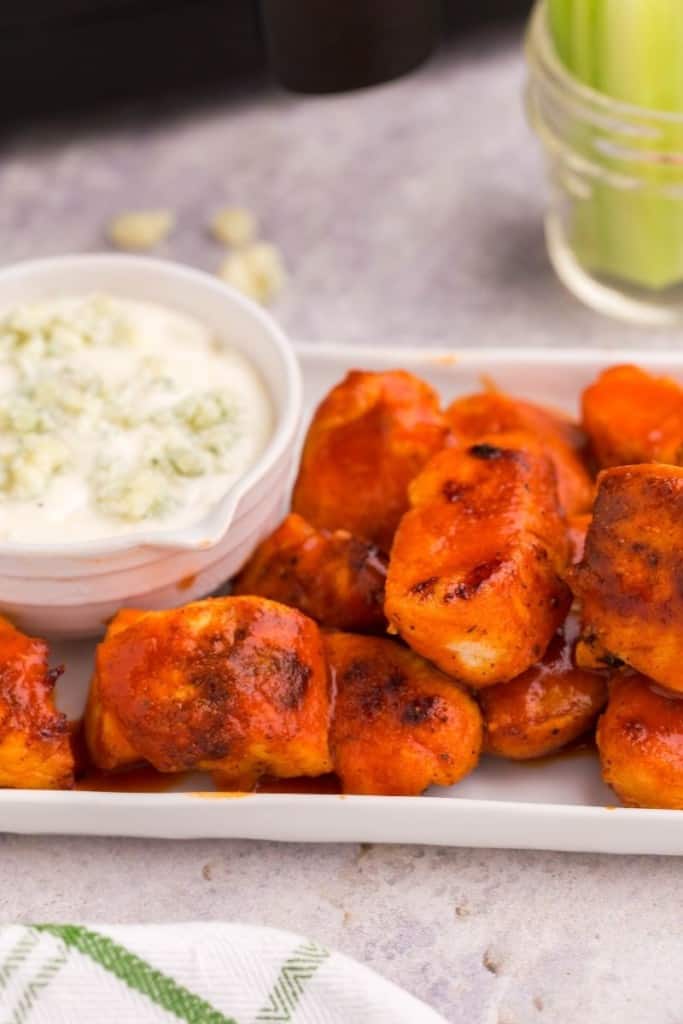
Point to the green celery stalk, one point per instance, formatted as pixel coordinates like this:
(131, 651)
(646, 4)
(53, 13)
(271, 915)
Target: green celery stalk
(631, 50)
(559, 18)
(583, 33)
(639, 43)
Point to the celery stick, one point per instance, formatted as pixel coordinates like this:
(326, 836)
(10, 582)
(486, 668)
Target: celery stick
(573, 26)
(640, 52)
(640, 46)
(583, 39)
(559, 15)
(629, 50)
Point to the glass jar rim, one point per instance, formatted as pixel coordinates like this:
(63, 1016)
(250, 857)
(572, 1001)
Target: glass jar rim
(541, 53)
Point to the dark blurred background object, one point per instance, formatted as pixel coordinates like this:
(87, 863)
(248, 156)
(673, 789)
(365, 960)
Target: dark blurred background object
(458, 15)
(320, 46)
(58, 54)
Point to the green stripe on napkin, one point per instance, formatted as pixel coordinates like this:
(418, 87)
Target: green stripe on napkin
(296, 972)
(138, 974)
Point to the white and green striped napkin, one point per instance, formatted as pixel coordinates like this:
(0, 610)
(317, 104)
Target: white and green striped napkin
(195, 973)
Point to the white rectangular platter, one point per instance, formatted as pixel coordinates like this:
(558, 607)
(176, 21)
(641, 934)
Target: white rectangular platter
(558, 804)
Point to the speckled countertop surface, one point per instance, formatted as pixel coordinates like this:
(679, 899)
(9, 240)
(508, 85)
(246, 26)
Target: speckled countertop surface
(410, 213)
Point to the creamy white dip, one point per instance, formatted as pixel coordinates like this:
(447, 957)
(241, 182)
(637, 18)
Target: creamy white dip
(119, 416)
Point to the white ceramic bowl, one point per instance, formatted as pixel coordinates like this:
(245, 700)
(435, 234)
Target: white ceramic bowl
(73, 589)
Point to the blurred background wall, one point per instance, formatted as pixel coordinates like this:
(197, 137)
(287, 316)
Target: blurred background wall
(60, 54)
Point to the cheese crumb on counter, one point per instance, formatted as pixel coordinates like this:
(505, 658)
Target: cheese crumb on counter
(257, 271)
(233, 226)
(141, 229)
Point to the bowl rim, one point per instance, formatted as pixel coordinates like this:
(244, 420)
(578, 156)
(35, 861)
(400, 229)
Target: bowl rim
(208, 531)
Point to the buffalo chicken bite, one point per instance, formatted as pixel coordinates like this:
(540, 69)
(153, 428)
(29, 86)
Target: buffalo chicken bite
(631, 416)
(493, 412)
(630, 582)
(548, 706)
(399, 724)
(235, 685)
(332, 576)
(474, 577)
(640, 741)
(369, 437)
(35, 748)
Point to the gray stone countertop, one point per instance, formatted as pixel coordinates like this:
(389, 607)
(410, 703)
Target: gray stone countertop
(407, 214)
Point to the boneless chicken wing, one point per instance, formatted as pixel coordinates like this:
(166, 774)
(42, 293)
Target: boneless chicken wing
(493, 412)
(640, 741)
(330, 575)
(35, 750)
(630, 582)
(369, 437)
(233, 685)
(399, 724)
(473, 580)
(631, 416)
(548, 706)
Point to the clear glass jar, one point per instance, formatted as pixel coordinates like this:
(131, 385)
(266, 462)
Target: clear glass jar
(614, 220)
